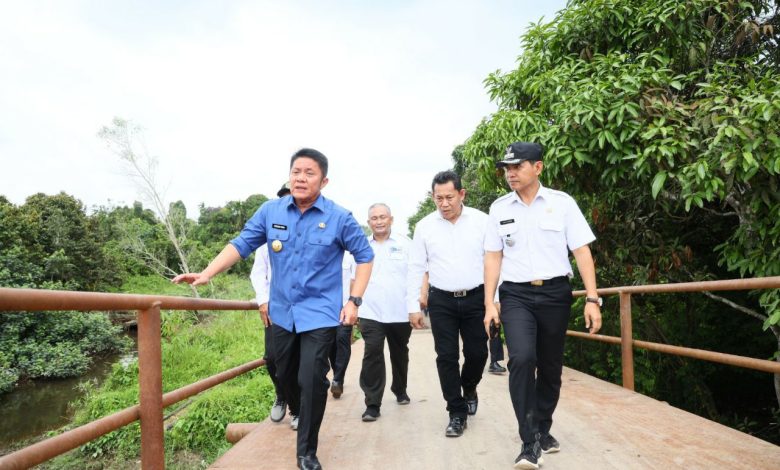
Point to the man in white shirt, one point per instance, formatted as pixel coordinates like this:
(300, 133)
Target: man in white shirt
(383, 314)
(449, 245)
(531, 232)
(261, 281)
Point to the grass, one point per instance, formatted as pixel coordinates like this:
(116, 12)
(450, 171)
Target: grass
(193, 348)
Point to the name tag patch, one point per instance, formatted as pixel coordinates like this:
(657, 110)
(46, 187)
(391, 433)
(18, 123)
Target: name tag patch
(507, 221)
(279, 226)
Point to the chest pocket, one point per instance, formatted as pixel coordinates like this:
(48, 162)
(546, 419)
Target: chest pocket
(397, 254)
(551, 228)
(277, 234)
(320, 239)
(551, 223)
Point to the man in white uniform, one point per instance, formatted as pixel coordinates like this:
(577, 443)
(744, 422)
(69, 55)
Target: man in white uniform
(531, 232)
(383, 314)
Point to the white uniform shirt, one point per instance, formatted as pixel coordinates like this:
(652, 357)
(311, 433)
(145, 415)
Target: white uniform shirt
(261, 275)
(536, 238)
(385, 298)
(452, 254)
(348, 268)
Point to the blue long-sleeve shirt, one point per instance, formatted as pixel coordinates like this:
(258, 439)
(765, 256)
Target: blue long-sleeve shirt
(306, 290)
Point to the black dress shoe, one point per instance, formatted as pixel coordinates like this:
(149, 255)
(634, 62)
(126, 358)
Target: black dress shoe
(336, 388)
(496, 368)
(371, 413)
(456, 427)
(472, 401)
(309, 462)
(403, 399)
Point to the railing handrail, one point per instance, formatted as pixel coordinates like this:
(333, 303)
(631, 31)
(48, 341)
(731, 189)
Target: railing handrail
(771, 282)
(151, 399)
(40, 452)
(628, 343)
(40, 299)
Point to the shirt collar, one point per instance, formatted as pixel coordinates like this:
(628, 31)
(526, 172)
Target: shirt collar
(462, 212)
(542, 193)
(319, 203)
(392, 237)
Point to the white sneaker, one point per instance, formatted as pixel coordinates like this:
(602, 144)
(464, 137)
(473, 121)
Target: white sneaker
(294, 422)
(278, 410)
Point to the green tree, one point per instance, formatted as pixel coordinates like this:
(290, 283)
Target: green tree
(662, 119)
(49, 242)
(218, 225)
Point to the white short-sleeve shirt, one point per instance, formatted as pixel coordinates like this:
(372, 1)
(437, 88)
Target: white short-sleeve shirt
(452, 254)
(348, 269)
(536, 238)
(385, 297)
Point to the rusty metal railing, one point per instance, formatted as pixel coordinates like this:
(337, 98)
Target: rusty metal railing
(628, 343)
(152, 400)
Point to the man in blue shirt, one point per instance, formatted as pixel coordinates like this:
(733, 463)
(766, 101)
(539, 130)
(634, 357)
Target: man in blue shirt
(307, 235)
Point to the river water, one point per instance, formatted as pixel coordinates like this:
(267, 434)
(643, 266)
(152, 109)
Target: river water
(37, 407)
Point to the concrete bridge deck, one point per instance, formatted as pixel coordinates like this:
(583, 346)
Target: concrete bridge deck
(600, 426)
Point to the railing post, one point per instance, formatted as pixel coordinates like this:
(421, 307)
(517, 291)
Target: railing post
(626, 341)
(150, 388)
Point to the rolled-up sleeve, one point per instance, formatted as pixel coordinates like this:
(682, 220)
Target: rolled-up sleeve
(252, 235)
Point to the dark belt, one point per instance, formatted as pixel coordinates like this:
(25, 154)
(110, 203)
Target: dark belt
(541, 282)
(459, 293)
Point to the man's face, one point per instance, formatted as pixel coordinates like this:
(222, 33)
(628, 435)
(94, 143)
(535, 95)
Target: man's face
(380, 220)
(306, 179)
(448, 200)
(524, 175)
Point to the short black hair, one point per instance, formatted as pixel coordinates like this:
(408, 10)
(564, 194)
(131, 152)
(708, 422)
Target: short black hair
(444, 177)
(284, 191)
(316, 155)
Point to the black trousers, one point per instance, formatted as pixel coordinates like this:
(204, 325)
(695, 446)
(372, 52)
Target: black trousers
(373, 375)
(496, 349)
(535, 320)
(302, 368)
(270, 362)
(341, 352)
(452, 317)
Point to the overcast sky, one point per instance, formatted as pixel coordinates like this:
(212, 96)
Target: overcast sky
(227, 90)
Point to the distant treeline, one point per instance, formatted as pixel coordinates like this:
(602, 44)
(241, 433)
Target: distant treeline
(52, 242)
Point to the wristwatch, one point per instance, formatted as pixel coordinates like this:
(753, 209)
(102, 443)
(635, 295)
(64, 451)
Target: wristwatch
(595, 300)
(358, 301)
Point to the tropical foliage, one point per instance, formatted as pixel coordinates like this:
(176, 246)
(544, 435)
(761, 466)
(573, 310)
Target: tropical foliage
(662, 119)
(50, 242)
